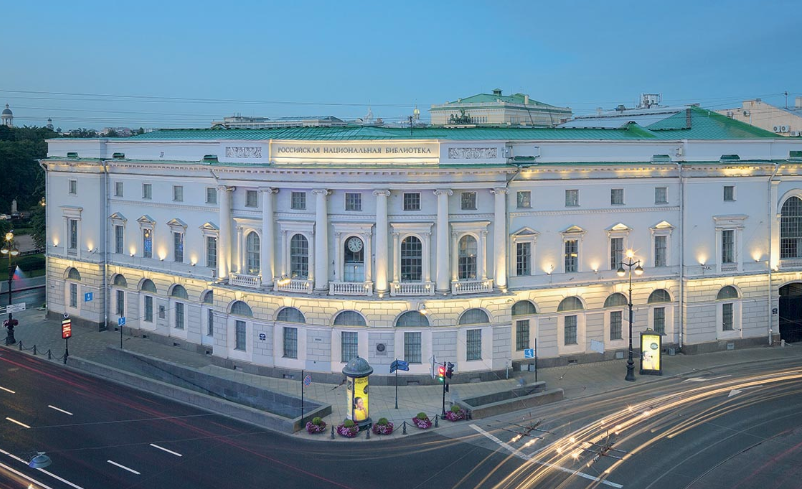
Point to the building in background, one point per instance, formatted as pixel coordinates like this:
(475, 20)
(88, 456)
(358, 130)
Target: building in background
(779, 120)
(495, 109)
(7, 117)
(301, 248)
(239, 121)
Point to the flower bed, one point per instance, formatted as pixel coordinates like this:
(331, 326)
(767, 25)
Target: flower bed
(382, 427)
(422, 423)
(348, 431)
(313, 428)
(456, 415)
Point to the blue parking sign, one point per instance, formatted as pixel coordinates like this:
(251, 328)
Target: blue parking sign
(121, 321)
(529, 353)
(88, 297)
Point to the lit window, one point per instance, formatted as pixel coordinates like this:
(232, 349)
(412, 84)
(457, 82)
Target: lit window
(178, 247)
(147, 243)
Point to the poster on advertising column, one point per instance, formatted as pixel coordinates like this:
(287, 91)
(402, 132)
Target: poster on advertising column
(651, 348)
(360, 407)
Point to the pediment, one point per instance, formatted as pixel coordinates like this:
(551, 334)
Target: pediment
(146, 219)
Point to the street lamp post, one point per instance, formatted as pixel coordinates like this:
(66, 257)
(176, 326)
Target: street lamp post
(621, 272)
(10, 249)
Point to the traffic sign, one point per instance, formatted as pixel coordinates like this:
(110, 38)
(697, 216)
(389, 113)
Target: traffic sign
(88, 297)
(66, 328)
(121, 321)
(529, 353)
(308, 380)
(15, 307)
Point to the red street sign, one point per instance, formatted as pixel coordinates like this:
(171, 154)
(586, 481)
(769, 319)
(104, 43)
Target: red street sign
(66, 328)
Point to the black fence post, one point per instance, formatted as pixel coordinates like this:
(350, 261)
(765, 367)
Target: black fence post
(34, 349)
(332, 432)
(436, 424)
(404, 427)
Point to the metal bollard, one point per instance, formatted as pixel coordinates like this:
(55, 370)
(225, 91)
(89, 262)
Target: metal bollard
(332, 432)
(34, 349)
(367, 436)
(49, 355)
(20, 346)
(436, 417)
(404, 426)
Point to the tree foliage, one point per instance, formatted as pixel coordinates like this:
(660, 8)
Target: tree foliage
(23, 178)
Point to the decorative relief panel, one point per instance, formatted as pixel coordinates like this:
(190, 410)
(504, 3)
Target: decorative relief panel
(243, 151)
(472, 153)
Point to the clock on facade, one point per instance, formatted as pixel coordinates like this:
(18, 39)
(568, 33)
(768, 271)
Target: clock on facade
(354, 244)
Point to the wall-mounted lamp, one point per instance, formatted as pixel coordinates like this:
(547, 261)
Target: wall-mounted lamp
(422, 308)
(132, 255)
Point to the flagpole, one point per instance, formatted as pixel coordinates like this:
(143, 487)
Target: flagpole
(396, 383)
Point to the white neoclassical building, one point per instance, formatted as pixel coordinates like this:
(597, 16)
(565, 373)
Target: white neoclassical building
(299, 248)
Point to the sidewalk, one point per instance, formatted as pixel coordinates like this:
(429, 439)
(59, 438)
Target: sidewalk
(577, 381)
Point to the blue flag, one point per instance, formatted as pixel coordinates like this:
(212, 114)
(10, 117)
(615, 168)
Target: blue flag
(399, 365)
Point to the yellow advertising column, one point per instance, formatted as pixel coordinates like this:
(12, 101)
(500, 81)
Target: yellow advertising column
(357, 372)
(651, 350)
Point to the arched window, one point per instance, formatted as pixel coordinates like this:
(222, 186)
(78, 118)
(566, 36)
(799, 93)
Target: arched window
(411, 318)
(252, 253)
(659, 295)
(467, 258)
(290, 315)
(570, 304)
(179, 292)
(728, 292)
(616, 300)
(240, 308)
(119, 281)
(147, 300)
(349, 318)
(411, 259)
(523, 308)
(74, 274)
(791, 229)
(148, 286)
(208, 297)
(474, 316)
(299, 257)
(354, 260)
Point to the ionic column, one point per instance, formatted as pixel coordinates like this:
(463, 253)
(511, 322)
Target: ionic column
(224, 242)
(500, 239)
(368, 241)
(381, 240)
(482, 258)
(339, 266)
(454, 257)
(396, 257)
(268, 240)
(427, 265)
(321, 240)
(240, 252)
(285, 257)
(443, 282)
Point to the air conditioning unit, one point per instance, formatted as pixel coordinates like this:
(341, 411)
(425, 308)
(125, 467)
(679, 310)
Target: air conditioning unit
(777, 128)
(784, 129)
(746, 113)
(729, 114)
(795, 133)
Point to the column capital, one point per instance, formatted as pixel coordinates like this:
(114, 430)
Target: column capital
(396, 234)
(499, 190)
(268, 190)
(383, 193)
(454, 234)
(441, 191)
(319, 191)
(228, 188)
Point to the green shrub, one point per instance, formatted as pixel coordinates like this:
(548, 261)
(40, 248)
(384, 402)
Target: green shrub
(348, 423)
(316, 420)
(455, 409)
(422, 416)
(382, 422)
(31, 262)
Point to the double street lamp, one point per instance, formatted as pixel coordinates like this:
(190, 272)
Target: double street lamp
(621, 272)
(10, 249)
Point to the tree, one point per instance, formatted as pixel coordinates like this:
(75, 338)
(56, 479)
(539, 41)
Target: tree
(112, 134)
(38, 222)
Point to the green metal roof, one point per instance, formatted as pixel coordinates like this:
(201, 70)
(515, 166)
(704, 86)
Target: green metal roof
(705, 125)
(516, 98)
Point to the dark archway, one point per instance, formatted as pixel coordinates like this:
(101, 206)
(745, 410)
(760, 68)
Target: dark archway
(791, 312)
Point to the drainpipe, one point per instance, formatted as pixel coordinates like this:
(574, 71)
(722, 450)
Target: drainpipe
(681, 255)
(105, 218)
(43, 166)
(769, 221)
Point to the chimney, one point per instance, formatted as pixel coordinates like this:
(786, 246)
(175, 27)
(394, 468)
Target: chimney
(798, 103)
(497, 92)
(526, 99)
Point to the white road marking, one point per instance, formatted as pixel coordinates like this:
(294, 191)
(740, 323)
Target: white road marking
(42, 470)
(17, 422)
(738, 391)
(59, 409)
(7, 390)
(517, 453)
(166, 450)
(702, 379)
(734, 392)
(29, 479)
(112, 462)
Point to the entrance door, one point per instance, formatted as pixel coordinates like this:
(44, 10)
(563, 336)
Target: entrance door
(791, 313)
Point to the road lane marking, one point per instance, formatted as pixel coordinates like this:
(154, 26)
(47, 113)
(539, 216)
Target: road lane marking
(112, 462)
(7, 390)
(166, 450)
(59, 409)
(702, 379)
(517, 453)
(17, 422)
(29, 479)
(65, 481)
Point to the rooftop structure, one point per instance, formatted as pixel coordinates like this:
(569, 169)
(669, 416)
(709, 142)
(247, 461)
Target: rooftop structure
(495, 109)
(780, 120)
(242, 122)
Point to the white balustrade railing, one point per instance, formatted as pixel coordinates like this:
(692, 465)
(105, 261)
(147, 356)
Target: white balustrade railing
(294, 285)
(350, 288)
(411, 288)
(472, 286)
(242, 280)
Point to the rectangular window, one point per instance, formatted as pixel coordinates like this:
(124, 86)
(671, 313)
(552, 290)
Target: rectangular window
(298, 201)
(118, 239)
(521, 334)
(617, 196)
(524, 199)
(147, 243)
(179, 315)
(211, 251)
(474, 345)
(290, 342)
(726, 317)
(353, 201)
(660, 251)
(570, 330)
(728, 246)
(178, 247)
(240, 329)
(210, 322)
(73, 187)
(147, 191)
(659, 320)
(148, 309)
(178, 193)
(571, 198)
(73, 244)
(468, 201)
(121, 303)
(350, 345)
(616, 253)
(211, 195)
(118, 189)
(615, 325)
(73, 295)
(571, 255)
(729, 193)
(412, 201)
(251, 198)
(523, 259)
(660, 195)
(412, 347)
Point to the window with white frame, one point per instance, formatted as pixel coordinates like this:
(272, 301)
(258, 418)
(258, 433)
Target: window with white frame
(524, 199)
(354, 260)
(412, 347)
(290, 342)
(659, 296)
(118, 189)
(521, 334)
(179, 315)
(660, 195)
(411, 259)
(616, 300)
(728, 239)
(617, 196)
(350, 345)
(208, 301)
(298, 201)
(178, 193)
(572, 198)
(727, 246)
(73, 235)
(178, 247)
(570, 322)
(73, 295)
(251, 198)
(570, 330)
(299, 257)
(660, 250)
(211, 195)
(727, 297)
(353, 201)
(148, 309)
(571, 255)
(147, 243)
(147, 191)
(791, 229)
(523, 258)
(211, 251)
(147, 287)
(73, 187)
(120, 302)
(252, 251)
(473, 343)
(179, 293)
(616, 253)
(468, 201)
(411, 201)
(467, 258)
(240, 332)
(729, 193)
(119, 239)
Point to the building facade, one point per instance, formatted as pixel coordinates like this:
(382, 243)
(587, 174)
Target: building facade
(298, 249)
(495, 109)
(786, 122)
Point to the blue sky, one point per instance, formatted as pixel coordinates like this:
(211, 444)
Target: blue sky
(204, 60)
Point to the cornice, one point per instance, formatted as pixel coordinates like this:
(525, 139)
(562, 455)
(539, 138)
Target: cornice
(578, 211)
